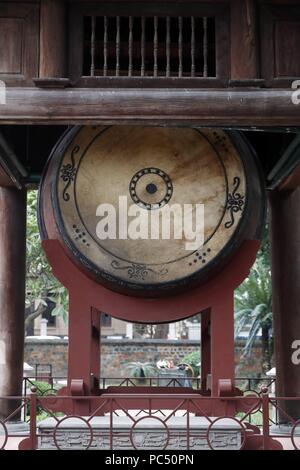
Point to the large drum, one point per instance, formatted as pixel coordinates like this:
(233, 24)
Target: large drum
(150, 210)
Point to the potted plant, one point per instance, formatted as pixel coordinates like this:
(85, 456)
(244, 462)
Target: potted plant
(141, 370)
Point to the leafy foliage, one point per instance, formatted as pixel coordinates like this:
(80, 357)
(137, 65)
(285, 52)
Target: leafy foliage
(40, 282)
(43, 388)
(193, 359)
(140, 369)
(253, 305)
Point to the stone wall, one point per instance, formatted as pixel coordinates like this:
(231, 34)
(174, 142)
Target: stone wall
(116, 354)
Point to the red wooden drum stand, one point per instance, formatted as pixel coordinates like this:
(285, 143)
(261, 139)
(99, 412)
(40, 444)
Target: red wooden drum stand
(87, 299)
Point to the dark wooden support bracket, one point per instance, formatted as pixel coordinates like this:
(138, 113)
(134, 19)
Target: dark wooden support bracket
(12, 172)
(285, 175)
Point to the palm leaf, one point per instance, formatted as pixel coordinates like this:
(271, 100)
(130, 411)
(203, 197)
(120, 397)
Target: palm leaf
(253, 303)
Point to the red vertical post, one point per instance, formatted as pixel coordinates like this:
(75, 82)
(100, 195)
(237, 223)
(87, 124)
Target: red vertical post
(84, 344)
(33, 406)
(205, 347)
(222, 341)
(83, 354)
(79, 352)
(266, 418)
(95, 350)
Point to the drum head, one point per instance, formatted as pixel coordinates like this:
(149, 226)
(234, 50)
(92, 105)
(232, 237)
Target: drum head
(125, 197)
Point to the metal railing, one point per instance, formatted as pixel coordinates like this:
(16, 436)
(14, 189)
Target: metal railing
(250, 386)
(182, 422)
(244, 383)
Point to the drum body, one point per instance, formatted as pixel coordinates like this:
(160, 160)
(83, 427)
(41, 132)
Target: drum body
(151, 211)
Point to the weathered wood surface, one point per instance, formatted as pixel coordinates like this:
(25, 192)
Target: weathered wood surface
(12, 172)
(12, 295)
(53, 39)
(19, 42)
(279, 40)
(234, 107)
(285, 174)
(153, 9)
(285, 235)
(292, 181)
(243, 40)
(5, 180)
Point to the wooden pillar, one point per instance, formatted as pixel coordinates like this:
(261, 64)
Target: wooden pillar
(12, 294)
(53, 39)
(244, 57)
(285, 244)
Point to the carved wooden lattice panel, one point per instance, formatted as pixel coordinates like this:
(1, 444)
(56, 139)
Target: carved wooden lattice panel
(157, 42)
(149, 46)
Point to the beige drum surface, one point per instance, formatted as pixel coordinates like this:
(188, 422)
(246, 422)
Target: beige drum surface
(159, 177)
(148, 174)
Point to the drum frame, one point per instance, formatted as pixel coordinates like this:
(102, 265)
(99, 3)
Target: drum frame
(87, 299)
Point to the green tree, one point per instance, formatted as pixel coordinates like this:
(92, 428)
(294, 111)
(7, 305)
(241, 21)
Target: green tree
(193, 359)
(41, 285)
(253, 307)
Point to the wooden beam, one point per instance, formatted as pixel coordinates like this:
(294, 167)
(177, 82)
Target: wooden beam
(12, 172)
(285, 174)
(228, 108)
(5, 180)
(292, 181)
(244, 54)
(53, 39)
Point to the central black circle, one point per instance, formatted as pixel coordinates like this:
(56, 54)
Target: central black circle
(151, 188)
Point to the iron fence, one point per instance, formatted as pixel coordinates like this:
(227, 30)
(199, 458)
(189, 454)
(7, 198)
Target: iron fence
(177, 421)
(248, 385)
(55, 382)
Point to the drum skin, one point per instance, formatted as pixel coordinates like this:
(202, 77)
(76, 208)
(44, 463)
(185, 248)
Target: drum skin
(154, 170)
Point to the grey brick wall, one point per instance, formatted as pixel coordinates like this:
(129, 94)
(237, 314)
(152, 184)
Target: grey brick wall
(115, 354)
